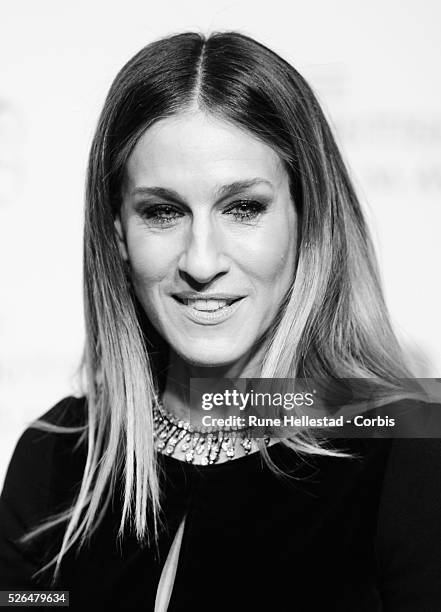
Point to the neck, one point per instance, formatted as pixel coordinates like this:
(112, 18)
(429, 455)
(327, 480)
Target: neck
(176, 397)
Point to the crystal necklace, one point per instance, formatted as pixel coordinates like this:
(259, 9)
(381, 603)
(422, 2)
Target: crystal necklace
(176, 437)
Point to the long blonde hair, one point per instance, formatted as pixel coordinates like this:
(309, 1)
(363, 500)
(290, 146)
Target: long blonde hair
(333, 322)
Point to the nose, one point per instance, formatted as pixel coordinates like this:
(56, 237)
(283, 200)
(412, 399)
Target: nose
(203, 256)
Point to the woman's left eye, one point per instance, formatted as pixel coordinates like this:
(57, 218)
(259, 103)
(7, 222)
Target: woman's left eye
(246, 210)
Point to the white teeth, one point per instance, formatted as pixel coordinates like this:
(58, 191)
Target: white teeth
(207, 304)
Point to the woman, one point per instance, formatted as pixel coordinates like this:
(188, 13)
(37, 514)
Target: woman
(223, 239)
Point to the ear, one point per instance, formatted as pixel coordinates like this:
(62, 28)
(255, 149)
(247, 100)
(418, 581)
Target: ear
(121, 238)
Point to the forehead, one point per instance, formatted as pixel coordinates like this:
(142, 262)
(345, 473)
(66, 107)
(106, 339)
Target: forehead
(196, 148)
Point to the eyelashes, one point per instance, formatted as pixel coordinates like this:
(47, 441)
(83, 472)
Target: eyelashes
(163, 214)
(246, 210)
(167, 215)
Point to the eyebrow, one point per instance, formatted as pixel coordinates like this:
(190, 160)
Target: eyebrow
(224, 191)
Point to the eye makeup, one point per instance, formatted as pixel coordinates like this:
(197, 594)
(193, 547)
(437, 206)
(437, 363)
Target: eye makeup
(244, 210)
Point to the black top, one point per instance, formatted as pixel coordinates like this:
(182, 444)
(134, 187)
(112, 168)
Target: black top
(358, 534)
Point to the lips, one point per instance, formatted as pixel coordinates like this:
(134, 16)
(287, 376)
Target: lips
(211, 304)
(208, 304)
(208, 311)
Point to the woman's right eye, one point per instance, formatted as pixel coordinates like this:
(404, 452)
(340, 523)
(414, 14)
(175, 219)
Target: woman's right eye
(162, 215)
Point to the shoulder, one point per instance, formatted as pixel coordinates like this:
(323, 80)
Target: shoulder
(70, 412)
(43, 474)
(412, 479)
(409, 525)
(37, 443)
(37, 452)
(412, 476)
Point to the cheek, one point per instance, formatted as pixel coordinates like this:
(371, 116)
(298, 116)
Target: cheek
(272, 255)
(151, 259)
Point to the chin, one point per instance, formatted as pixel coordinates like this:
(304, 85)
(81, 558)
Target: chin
(209, 357)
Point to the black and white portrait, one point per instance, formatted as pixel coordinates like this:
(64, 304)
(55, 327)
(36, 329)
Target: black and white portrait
(220, 330)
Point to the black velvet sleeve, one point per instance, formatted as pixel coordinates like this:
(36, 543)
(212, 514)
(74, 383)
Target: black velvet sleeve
(28, 497)
(409, 527)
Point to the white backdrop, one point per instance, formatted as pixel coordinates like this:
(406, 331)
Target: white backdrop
(375, 67)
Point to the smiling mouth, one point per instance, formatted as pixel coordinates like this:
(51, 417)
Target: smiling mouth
(207, 305)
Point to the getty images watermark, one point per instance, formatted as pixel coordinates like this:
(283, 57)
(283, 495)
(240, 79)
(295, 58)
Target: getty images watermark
(354, 408)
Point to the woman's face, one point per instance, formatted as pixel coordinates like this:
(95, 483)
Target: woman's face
(208, 227)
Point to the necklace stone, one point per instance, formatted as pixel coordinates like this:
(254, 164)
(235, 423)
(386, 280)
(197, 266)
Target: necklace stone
(177, 438)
